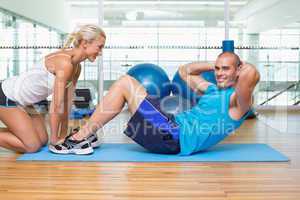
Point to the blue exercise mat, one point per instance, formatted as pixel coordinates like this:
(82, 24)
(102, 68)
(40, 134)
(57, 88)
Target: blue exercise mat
(135, 153)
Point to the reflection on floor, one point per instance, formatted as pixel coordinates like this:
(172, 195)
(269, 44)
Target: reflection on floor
(283, 120)
(199, 181)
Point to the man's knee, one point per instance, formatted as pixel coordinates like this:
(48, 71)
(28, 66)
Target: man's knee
(126, 80)
(125, 83)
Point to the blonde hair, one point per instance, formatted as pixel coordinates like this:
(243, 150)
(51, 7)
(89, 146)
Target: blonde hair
(88, 32)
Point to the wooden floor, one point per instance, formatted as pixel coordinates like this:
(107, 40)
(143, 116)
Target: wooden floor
(168, 181)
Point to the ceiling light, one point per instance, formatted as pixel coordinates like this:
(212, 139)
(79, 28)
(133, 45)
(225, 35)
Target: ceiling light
(213, 3)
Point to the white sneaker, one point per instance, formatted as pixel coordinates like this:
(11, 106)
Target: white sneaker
(94, 140)
(69, 146)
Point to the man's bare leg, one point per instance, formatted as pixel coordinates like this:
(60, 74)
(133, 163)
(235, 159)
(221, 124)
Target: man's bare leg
(125, 90)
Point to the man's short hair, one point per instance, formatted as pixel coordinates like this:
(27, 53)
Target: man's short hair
(236, 57)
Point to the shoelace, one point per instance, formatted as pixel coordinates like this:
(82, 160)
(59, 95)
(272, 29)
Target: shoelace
(69, 143)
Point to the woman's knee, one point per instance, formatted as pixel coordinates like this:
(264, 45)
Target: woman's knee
(43, 138)
(33, 147)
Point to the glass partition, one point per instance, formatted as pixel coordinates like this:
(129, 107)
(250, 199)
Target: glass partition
(152, 32)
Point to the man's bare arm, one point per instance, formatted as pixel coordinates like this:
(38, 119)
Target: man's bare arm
(247, 80)
(190, 74)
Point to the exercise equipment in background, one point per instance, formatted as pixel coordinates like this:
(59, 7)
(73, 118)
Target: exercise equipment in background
(82, 104)
(153, 78)
(83, 98)
(80, 113)
(228, 46)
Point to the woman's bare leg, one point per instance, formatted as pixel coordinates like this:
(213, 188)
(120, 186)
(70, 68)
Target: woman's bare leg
(21, 135)
(40, 127)
(125, 90)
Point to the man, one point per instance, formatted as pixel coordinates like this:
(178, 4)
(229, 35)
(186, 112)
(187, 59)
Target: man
(221, 109)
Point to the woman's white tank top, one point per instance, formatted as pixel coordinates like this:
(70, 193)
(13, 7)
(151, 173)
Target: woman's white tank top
(30, 87)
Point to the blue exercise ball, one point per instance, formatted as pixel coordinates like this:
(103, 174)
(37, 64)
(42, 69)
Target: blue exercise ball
(179, 87)
(175, 104)
(153, 78)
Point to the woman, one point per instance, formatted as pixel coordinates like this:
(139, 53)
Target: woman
(56, 74)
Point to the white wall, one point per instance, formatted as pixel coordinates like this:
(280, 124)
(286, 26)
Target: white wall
(54, 13)
(262, 15)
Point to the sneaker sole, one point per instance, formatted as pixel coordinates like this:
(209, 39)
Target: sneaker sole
(73, 151)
